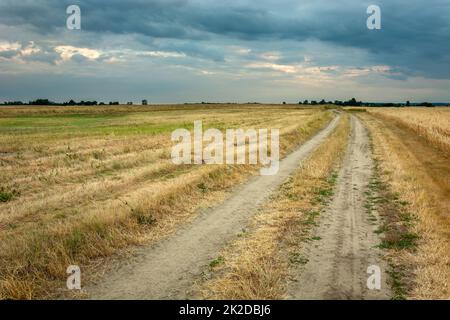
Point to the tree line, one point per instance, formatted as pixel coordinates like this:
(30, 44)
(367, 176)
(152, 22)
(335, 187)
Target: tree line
(354, 103)
(47, 102)
(350, 103)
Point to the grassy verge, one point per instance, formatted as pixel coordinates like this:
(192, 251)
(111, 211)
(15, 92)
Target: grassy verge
(256, 265)
(431, 125)
(396, 230)
(411, 193)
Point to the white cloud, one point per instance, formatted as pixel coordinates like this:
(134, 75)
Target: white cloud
(242, 51)
(365, 71)
(9, 46)
(271, 56)
(67, 52)
(272, 66)
(293, 69)
(30, 50)
(163, 54)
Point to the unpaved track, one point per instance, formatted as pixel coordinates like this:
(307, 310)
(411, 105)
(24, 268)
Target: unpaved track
(337, 263)
(168, 269)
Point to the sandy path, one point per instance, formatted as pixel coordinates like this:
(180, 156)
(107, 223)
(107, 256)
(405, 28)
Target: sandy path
(337, 263)
(168, 269)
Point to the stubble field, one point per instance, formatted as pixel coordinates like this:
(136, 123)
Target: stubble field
(79, 183)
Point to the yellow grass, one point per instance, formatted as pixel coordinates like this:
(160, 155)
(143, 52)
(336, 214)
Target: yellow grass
(256, 265)
(420, 176)
(431, 123)
(91, 186)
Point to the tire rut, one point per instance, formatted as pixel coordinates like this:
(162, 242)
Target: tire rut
(338, 262)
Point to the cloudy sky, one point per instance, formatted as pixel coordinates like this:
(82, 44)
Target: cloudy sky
(209, 50)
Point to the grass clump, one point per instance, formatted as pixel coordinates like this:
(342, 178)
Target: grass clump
(8, 195)
(216, 262)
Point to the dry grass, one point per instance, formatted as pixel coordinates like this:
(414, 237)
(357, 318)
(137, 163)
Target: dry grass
(431, 123)
(91, 181)
(418, 175)
(256, 265)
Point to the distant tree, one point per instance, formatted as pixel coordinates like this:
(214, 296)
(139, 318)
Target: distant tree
(144, 102)
(353, 103)
(13, 103)
(426, 104)
(408, 104)
(284, 102)
(130, 103)
(322, 101)
(306, 102)
(314, 102)
(41, 102)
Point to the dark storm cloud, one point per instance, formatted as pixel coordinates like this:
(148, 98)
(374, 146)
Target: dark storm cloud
(414, 38)
(186, 49)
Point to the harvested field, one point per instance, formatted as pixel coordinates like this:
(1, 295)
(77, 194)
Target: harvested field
(85, 182)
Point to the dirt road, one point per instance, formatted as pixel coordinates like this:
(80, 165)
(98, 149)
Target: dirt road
(345, 246)
(168, 269)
